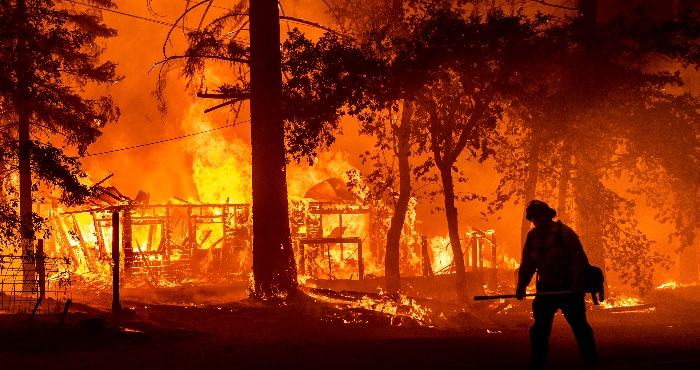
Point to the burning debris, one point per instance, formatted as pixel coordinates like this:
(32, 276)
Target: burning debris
(160, 242)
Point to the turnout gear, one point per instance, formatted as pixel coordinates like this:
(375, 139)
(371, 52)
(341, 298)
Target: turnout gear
(554, 252)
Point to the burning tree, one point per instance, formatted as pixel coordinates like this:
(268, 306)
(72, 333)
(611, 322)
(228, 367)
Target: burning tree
(49, 53)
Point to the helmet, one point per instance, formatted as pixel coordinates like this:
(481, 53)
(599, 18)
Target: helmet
(536, 207)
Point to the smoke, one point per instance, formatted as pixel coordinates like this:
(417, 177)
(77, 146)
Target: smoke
(213, 166)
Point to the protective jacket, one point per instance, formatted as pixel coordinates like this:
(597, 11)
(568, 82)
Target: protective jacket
(557, 256)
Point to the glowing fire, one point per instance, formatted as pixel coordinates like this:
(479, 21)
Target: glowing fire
(221, 171)
(673, 285)
(221, 166)
(402, 309)
(622, 303)
(403, 306)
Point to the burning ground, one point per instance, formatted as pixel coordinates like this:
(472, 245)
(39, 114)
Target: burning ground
(215, 327)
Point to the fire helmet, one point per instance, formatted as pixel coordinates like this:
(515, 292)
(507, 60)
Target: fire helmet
(536, 207)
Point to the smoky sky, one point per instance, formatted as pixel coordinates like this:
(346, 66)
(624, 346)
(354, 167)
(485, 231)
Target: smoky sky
(171, 169)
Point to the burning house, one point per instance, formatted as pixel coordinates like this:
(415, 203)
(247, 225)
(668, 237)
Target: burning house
(333, 235)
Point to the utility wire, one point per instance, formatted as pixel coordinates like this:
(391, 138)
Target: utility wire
(129, 15)
(163, 141)
(283, 17)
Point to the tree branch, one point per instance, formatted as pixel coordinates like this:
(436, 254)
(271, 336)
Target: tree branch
(239, 96)
(312, 24)
(554, 5)
(233, 60)
(222, 105)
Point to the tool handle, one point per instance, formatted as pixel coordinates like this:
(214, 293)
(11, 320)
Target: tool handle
(506, 296)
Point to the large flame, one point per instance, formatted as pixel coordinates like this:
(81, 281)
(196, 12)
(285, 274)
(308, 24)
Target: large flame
(221, 167)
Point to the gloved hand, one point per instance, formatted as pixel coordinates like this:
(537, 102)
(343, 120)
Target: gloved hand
(520, 291)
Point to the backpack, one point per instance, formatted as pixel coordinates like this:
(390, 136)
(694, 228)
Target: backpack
(594, 279)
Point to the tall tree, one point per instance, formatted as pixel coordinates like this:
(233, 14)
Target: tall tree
(368, 19)
(50, 52)
(480, 66)
(274, 269)
(273, 260)
(334, 78)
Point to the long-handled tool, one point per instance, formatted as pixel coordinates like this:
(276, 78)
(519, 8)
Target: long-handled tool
(564, 292)
(505, 296)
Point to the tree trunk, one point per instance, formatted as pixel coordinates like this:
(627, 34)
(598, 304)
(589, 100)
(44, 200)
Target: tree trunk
(564, 184)
(588, 218)
(588, 221)
(24, 151)
(274, 268)
(393, 237)
(688, 265)
(453, 230)
(533, 163)
(25, 181)
(588, 9)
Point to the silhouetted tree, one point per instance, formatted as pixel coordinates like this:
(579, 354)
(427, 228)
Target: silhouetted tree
(591, 127)
(273, 260)
(274, 268)
(458, 71)
(479, 66)
(48, 54)
(390, 179)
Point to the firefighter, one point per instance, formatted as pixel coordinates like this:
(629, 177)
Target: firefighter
(554, 251)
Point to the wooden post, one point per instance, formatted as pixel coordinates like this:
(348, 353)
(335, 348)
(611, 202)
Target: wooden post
(116, 306)
(494, 251)
(474, 243)
(302, 258)
(340, 227)
(494, 260)
(480, 244)
(127, 241)
(360, 263)
(98, 233)
(40, 268)
(427, 266)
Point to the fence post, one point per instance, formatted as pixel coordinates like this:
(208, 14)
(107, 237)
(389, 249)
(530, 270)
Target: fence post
(40, 268)
(116, 306)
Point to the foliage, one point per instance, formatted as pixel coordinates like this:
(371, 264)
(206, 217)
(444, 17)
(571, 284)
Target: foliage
(50, 53)
(612, 105)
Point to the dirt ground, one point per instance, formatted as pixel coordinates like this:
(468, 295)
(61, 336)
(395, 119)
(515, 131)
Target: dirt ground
(207, 329)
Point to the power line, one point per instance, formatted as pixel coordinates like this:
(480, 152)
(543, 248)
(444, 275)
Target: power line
(163, 141)
(130, 15)
(283, 17)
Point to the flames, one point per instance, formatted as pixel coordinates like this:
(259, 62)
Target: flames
(673, 285)
(621, 300)
(399, 308)
(221, 172)
(221, 167)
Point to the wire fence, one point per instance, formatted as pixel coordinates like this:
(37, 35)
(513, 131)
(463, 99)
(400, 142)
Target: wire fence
(34, 287)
